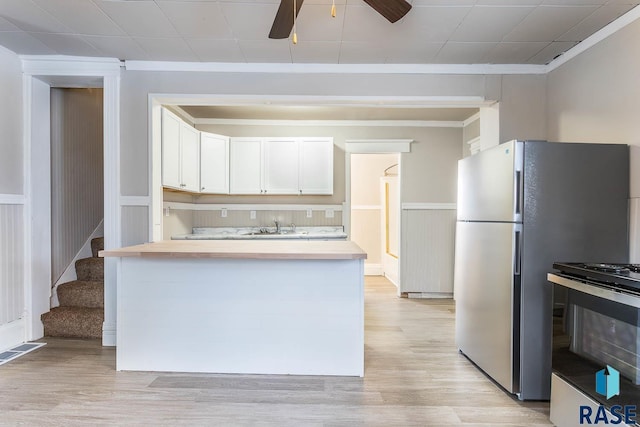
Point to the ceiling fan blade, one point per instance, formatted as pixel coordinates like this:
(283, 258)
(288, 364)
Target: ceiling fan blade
(283, 22)
(390, 9)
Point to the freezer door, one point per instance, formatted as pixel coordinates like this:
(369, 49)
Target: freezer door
(486, 285)
(490, 184)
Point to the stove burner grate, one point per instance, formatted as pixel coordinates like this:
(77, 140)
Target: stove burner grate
(608, 268)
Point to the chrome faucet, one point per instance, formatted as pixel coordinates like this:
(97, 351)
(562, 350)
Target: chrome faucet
(277, 225)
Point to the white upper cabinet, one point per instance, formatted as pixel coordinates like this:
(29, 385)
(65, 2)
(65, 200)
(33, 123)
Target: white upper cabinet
(214, 163)
(245, 166)
(315, 165)
(190, 157)
(280, 174)
(171, 150)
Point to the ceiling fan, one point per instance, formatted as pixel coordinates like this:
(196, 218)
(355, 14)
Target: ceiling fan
(392, 10)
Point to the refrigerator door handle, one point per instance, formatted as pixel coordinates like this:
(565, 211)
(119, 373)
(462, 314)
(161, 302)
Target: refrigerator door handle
(518, 198)
(517, 253)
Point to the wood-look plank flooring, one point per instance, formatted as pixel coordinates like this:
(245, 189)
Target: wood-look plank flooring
(414, 376)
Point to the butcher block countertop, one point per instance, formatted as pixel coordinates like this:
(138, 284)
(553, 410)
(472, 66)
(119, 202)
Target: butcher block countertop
(241, 249)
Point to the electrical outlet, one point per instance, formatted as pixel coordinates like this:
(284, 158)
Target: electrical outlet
(223, 212)
(252, 215)
(309, 213)
(328, 213)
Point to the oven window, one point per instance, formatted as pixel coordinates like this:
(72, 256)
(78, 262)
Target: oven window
(590, 333)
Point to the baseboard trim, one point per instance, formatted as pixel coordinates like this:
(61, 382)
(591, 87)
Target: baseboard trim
(11, 334)
(430, 295)
(69, 274)
(373, 269)
(109, 334)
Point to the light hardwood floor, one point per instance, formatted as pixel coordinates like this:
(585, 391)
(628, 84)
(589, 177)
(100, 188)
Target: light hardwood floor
(414, 376)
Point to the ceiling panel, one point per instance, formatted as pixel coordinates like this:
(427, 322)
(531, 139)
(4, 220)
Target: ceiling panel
(249, 21)
(594, 22)
(464, 53)
(196, 19)
(315, 23)
(423, 53)
(266, 50)
(212, 50)
(166, 49)
(547, 23)
(6, 25)
(117, 47)
(138, 18)
(24, 43)
(316, 52)
(30, 17)
(431, 24)
(514, 52)
(361, 53)
(81, 16)
(552, 50)
(67, 44)
(490, 23)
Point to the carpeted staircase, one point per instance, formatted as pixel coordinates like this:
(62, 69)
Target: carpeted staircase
(81, 310)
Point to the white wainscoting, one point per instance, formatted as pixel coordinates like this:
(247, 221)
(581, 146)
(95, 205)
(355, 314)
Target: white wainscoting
(12, 268)
(428, 240)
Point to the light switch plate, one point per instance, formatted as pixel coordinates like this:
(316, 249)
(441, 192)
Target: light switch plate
(223, 212)
(309, 213)
(252, 215)
(328, 213)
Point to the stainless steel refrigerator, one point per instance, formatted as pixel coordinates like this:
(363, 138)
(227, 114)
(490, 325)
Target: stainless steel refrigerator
(521, 206)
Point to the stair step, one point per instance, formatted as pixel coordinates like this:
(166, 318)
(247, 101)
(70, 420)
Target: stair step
(73, 322)
(80, 293)
(90, 269)
(97, 244)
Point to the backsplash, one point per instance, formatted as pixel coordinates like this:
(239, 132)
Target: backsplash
(181, 221)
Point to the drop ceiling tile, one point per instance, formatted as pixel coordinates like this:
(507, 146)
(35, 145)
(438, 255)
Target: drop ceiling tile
(594, 22)
(361, 53)
(196, 19)
(6, 25)
(138, 18)
(442, 3)
(574, 2)
(426, 24)
(166, 49)
(212, 50)
(315, 52)
(29, 17)
(464, 53)
(508, 2)
(547, 23)
(421, 53)
(316, 24)
(489, 23)
(67, 44)
(514, 52)
(83, 17)
(24, 44)
(266, 50)
(117, 47)
(552, 50)
(250, 21)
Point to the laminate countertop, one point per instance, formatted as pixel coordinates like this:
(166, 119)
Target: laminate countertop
(242, 249)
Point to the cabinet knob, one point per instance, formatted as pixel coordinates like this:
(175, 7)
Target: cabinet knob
(265, 191)
(202, 189)
(300, 192)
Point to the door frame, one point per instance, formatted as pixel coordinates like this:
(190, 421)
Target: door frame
(40, 73)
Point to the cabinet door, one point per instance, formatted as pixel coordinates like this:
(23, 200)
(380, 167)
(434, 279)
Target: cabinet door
(316, 165)
(214, 163)
(170, 150)
(245, 166)
(190, 157)
(281, 166)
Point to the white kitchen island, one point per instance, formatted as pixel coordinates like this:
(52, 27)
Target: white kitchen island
(261, 307)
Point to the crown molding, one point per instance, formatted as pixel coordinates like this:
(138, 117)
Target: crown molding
(62, 65)
(335, 123)
(289, 68)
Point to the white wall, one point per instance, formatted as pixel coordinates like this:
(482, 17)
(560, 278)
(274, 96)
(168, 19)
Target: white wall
(595, 97)
(12, 227)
